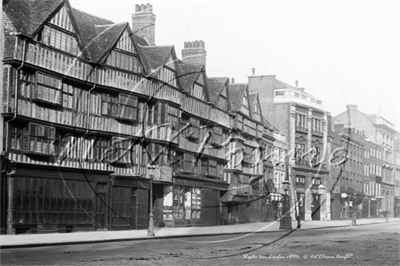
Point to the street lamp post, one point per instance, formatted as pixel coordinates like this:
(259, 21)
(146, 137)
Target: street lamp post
(286, 220)
(150, 231)
(354, 210)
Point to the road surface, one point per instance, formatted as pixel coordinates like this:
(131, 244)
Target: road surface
(377, 244)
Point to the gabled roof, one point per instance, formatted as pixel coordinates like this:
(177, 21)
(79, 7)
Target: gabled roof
(189, 74)
(28, 15)
(140, 40)
(154, 57)
(215, 88)
(236, 94)
(99, 35)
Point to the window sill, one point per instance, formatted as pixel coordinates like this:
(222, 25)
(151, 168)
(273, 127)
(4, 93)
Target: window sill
(125, 120)
(47, 104)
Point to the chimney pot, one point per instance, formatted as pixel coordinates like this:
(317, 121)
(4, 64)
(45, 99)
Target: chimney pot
(352, 106)
(137, 8)
(202, 44)
(297, 83)
(232, 80)
(142, 7)
(194, 53)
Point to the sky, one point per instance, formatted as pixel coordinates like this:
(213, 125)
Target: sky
(343, 52)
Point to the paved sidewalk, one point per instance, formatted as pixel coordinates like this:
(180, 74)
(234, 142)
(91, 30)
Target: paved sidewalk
(35, 240)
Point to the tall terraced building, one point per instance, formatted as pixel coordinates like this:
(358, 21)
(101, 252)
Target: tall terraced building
(302, 118)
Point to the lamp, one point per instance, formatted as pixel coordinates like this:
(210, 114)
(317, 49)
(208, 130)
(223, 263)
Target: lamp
(321, 189)
(150, 176)
(286, 185)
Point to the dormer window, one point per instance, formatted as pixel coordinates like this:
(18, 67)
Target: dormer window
(60, 40)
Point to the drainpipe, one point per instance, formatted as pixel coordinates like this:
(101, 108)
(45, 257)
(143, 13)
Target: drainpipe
(16, 84)
(88, 111)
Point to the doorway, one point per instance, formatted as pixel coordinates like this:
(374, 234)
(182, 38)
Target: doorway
(300, 204)
(101, 207)
(315, 207)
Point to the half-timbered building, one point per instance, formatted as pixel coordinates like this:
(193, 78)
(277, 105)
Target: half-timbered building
(244, 170)
(87, 106)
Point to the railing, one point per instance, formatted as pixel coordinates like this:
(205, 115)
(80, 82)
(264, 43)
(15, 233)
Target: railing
(302, 129)
(318, 133)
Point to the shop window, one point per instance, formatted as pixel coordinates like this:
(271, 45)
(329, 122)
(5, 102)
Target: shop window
(186, 203)
(300, 181)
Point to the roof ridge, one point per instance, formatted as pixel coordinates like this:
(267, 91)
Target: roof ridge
(82, 11)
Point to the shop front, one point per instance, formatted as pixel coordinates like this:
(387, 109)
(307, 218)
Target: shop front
(193, 201)
(45, 199)
(129, 202)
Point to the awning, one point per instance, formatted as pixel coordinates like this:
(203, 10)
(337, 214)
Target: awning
(229, 197)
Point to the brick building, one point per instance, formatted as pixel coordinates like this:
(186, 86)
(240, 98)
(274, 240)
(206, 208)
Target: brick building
(301, 117)
(382, 132)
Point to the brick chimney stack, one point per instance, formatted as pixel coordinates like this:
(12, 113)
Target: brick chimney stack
(351, 113)
(194, 53)
(143, 23)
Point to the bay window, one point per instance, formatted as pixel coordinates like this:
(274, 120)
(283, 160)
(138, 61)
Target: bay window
(193, 131)
(48, 89)
(123, 106)
(34, 138)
